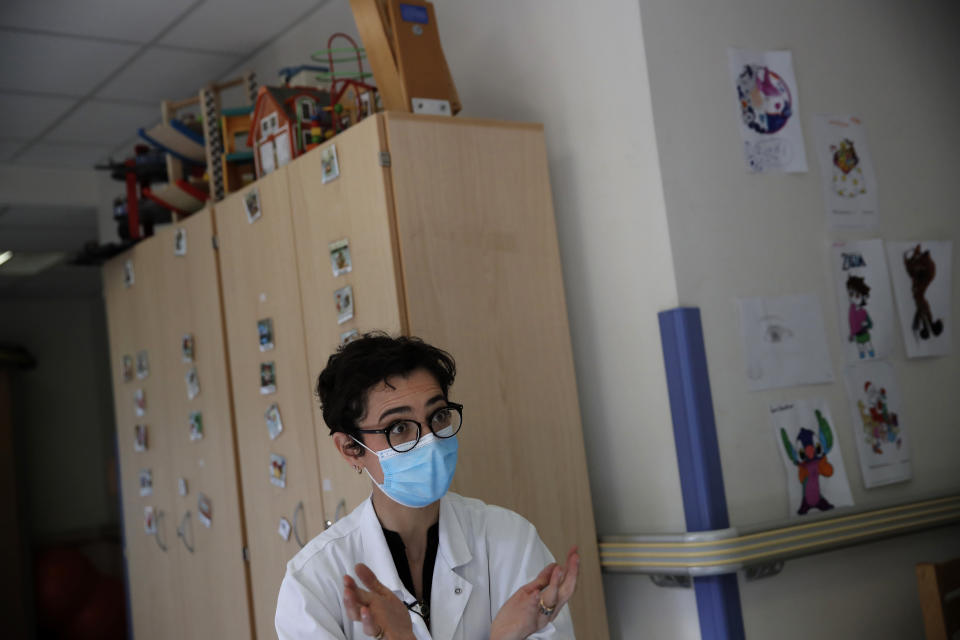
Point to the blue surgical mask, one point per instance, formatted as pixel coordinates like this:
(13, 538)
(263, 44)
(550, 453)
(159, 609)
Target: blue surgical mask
(420, 476)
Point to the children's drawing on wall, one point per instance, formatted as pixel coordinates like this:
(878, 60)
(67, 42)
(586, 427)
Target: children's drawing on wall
(878, 425)
(768, 110)
(806, 438)
(921, 282)
(846, 170)
(864, 299)
(784, 342)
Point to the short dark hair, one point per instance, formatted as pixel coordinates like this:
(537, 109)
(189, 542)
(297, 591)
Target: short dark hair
(358, 366)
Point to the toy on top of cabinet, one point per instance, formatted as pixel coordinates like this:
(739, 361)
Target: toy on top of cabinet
(352, 96)
(282, 123)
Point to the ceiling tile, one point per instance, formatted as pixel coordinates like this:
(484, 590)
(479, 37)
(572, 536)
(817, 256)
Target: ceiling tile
(56, 64)
(63, 156)
(27, 116)
(123, 19)
(227, 25)
(165, 74)
(8, 148)
(104, 123)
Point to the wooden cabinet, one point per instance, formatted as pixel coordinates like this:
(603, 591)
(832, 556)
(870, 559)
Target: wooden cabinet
(259, 279)
(455, 242)
(452, 238)
(188, 580)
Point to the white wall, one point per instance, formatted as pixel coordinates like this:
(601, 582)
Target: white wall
(734, 234)
(580, 69)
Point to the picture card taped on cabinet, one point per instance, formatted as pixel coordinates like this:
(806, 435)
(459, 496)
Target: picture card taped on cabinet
(251, 204)
(193, 383)
(768, 110)
(879, 427)
(340, 257)
(180, 242)
(143, 364)
(864, 299)
(139, 403)
(126, 368)
(128, 275)
(806, 438)
(204, 510)
(274, 423)
(784, 341)
(146, 482)
(140, 442)
(265, 333)
(846, 171)
(278, 470)
(921, 274)
(284, 529)
(268, 378)
(195, 425)
(187, 348)
(149, 521)
(329, 163)
(343, 300)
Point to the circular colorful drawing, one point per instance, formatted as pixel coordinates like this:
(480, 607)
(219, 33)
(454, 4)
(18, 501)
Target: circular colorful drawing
(765, 101)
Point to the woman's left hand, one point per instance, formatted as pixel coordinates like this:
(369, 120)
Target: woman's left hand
(537, 603)
(382, 613)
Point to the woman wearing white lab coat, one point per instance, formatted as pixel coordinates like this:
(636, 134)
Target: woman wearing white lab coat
(434, 564)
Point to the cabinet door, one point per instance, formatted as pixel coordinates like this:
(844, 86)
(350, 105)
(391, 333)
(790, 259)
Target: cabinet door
(482, 277)
(259, 279)
(352, 207)
(214, 585)
(134, 322)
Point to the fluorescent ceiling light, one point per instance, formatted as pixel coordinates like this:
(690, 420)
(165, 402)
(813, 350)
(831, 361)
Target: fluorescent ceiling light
(5, 256)
(28, 264)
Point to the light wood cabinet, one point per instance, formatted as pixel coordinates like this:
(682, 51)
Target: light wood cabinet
(455, 242)
(259, 280)
(193, 584)
(452, 238)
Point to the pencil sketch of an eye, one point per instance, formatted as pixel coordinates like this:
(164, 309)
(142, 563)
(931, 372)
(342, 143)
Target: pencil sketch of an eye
(775, 330)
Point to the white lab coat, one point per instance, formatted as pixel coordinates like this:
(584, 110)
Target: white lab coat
(485, 554)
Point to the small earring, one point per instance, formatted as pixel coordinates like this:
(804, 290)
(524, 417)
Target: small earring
(358, 468)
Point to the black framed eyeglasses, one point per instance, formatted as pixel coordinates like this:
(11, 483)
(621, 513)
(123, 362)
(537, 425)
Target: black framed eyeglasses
(403, 435)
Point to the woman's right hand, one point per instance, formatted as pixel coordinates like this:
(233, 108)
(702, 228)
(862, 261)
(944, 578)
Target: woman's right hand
(382, 614)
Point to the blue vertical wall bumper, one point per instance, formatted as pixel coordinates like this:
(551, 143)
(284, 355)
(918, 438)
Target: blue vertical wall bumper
(698, 459)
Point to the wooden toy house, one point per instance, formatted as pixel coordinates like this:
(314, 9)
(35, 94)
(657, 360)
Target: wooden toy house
(280, 127)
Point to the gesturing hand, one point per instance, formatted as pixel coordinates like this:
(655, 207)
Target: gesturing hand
(538, 602)
(382, 613)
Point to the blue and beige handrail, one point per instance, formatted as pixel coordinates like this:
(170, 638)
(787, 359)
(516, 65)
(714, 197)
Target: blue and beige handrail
(724, 551)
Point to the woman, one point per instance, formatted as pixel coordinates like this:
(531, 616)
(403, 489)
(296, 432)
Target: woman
(434, 564)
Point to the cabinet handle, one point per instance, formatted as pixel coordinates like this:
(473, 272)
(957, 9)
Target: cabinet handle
(156, 535)
(182, 531)
(296, 522)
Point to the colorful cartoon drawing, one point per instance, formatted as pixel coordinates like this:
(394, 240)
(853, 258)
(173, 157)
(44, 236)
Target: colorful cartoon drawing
(860, 323)
(848, 178)
(765, 101)
(810, 457)
(880, 425)
(922, 270)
